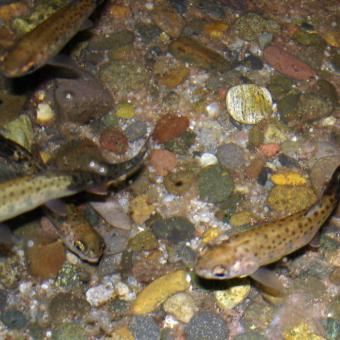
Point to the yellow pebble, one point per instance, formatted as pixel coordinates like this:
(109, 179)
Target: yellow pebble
(301, 332)
(211, 234)
(332, 38)
(215, 29)
(288, 178)
(159, 290)
(125, 110)
(241, 218)
(141, 210)
(231, 297)
(122, 333)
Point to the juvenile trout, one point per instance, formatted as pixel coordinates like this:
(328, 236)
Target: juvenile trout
(40, 45)
(77, 234)
(245, 253)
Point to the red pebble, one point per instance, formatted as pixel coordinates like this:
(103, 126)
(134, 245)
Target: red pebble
(163, 161)
(114, 139)
(269, 150)
(169, 127)
(287, 64)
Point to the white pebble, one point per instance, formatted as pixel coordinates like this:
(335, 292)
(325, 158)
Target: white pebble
(208, 159)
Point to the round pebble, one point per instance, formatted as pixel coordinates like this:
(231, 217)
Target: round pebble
(231, 155)
(182, 306)
(14, 319)
(214, 184)
(173, 229)
(178, 183)
(233, 296)
(144, 328)
(163, 161)
(206, 325)
(144, 240)
(136, 130)
(3, 299)
(69, 331)
(114, 139)
(249, 103)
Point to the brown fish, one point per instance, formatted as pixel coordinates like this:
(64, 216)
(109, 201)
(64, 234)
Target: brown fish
(40, 45)
(246, 253)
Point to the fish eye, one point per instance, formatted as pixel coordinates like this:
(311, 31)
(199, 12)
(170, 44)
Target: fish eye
(80, 246)
(219, 271)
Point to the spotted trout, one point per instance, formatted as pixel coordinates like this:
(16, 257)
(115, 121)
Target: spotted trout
(40, 45)
(245, 254)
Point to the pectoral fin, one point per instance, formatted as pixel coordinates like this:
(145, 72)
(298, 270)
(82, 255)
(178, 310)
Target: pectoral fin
(57, 206)
(98, 189)
(315, 243)
(269, 280)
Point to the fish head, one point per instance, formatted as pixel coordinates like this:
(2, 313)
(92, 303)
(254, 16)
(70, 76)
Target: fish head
(89, 246)
(224, 261)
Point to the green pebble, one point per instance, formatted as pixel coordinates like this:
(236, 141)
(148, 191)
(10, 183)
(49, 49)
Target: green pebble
(308, 39)
(68, 276)
(69, 331)
(144, 240)
(312, 107)
(280, 86)
(174, 229)
(113, 41)
(181, 144)
(125, 110)
(332, 328)
(250, 336)
(178, 183)
(214, 184)
(255, 137)
(14, 319)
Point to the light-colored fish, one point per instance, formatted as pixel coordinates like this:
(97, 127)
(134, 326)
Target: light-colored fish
(39, 46)
(246, 253)
(77, 234)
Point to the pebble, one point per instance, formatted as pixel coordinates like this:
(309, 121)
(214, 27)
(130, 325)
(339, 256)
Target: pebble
(231, 155)
(269, 150)
(332, 328)
(122, 333)
(287, 107)
(45, 114)
(211, 234)
(113, 214)
(255, 137)
(179, 5)
(191, 51)
(180, 182)
(114, 140)
(136, 131)
(14, 319)
(145, 240)
(168, 20)
(112, 41)
(241, 218)
(65, 307)
(206, 325)
(173, 229)
(255, 167)
(182, 306)
(69, 331)
(233, 296)
(82, 99)
(288, 178)
(249, 103)
(174, 76)
(287, 64)
(250, 336)
(159, 290)
(332, 38)
(214, 184)
(144, 328)
(181, 144)
(3, 299)
(301, 332)
(290, 199)
(125, 110)
(46, 266)
(251, 26)
(215, 29)
(101, 294)
(163, 161)
(169, 127)
(141, 209)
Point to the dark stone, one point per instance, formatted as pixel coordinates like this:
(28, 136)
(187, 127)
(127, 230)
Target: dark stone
(144, 328)
(180, 6)
(263, 176)
(14, 319)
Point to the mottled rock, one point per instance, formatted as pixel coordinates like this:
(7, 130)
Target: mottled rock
(178, 183)
(214, 184)
(232, 296)
(3, 299)
(144, 328)
(136, 130)
(69, 331)
(112, 41)
(66, 307)
(145, 240)
(181, 144)
(168, 21)
(312, 107)
(206, 325)
(14, 319)
(174, 76)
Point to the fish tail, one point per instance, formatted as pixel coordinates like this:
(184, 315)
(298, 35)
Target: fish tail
(333, 186)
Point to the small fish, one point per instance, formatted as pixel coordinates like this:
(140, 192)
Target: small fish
(40, 45)
(246, 253)
(26, 193)
(77, 234)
